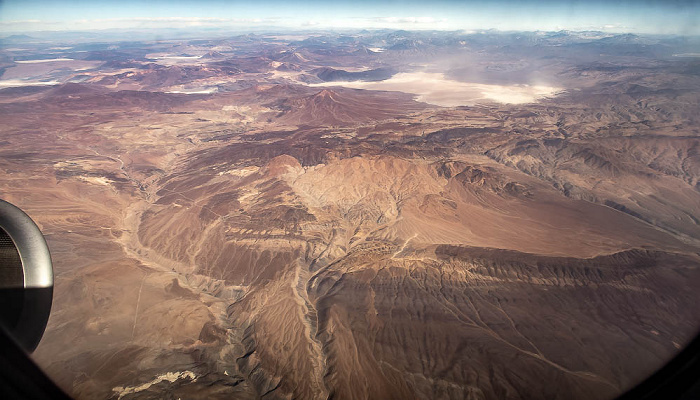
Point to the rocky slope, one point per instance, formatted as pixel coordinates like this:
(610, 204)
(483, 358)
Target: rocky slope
(264, 238)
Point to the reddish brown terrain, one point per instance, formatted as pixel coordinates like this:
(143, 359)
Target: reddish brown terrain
(254, 217)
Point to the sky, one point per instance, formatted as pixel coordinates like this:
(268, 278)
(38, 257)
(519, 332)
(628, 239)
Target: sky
(650, 16)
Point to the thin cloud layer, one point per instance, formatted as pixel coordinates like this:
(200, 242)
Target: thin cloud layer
(504, 15)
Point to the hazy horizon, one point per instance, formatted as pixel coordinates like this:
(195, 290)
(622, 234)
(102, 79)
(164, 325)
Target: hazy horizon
(651, 17)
